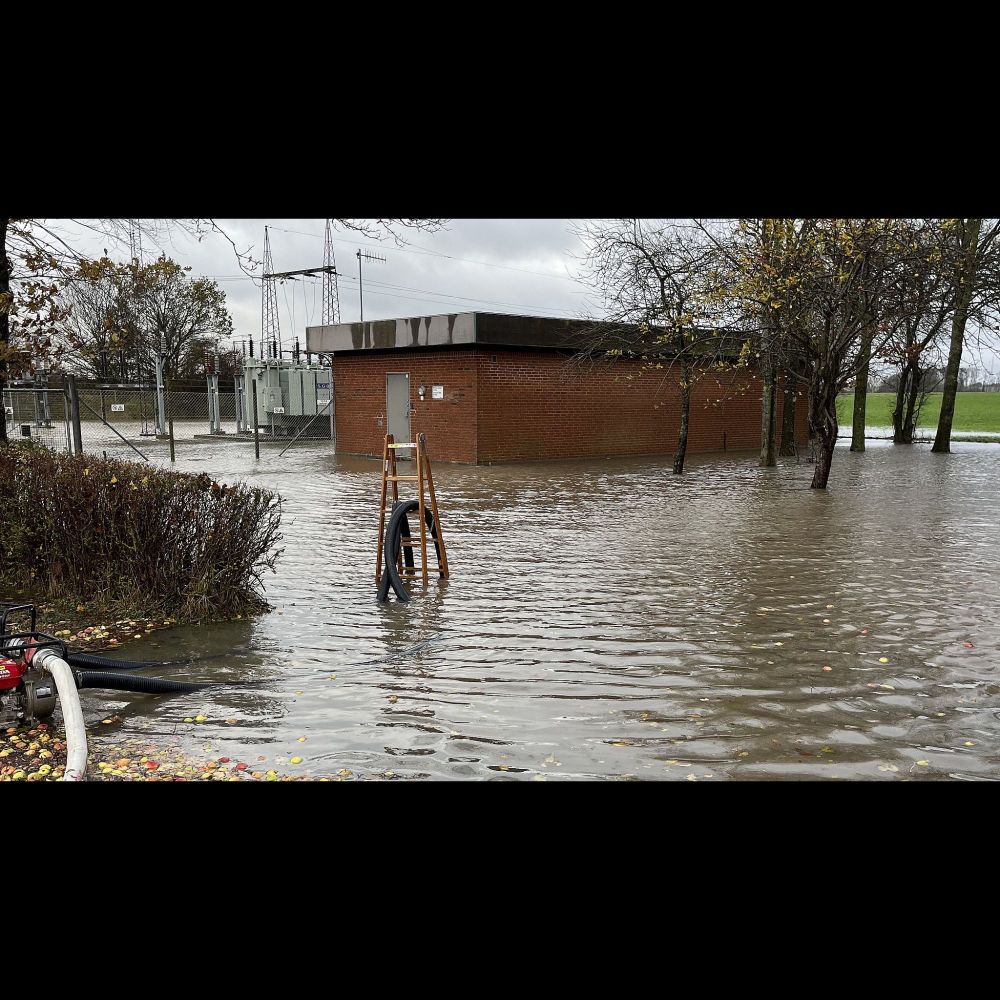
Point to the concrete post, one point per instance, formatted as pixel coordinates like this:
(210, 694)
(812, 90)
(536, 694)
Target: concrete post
(256, 429)
(161, 402)
(241, 418)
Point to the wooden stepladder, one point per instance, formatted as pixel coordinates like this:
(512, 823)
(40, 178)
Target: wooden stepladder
(390, 475)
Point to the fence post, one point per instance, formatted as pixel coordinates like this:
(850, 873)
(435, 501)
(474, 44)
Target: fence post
(214, 405)
(67, 413)
(66, 421)
(43, 418)
(172, 459)
(74, 406)
(256, 429)
(161, 404)
(239, 389)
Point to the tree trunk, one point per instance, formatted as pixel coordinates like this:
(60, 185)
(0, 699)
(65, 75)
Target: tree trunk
(861, 390)
(813, 441)
(5, 303)
(909, 423)
(788, 419)
(823, 425)
(768, 403)
(824, 460)
(682, 434)
(963, 299)
(897, 413)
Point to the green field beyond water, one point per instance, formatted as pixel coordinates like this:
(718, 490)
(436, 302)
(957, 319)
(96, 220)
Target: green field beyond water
(974, 411)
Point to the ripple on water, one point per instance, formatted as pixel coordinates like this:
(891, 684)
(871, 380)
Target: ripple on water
(607, 619)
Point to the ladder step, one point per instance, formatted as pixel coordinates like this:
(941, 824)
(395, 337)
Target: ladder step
(410, 543)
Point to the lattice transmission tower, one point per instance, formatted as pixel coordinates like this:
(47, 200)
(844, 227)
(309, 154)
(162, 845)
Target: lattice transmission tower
(269, 331)
(331, 297)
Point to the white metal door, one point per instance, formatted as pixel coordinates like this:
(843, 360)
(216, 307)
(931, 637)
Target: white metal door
(397, 409)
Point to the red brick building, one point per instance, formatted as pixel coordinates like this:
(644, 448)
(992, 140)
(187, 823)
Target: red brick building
(488, 387)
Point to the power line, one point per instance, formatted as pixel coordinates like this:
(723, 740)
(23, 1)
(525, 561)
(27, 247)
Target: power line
(426, 291)
(449, 295)
(445, 300)
(534, 310)
(438, 253)
(365, 256)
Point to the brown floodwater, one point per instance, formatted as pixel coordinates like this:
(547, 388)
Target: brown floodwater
(606, 619)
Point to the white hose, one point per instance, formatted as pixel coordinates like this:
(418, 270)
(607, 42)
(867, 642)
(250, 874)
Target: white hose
(69, 698)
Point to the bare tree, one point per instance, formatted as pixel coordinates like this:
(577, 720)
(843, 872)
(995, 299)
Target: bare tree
(816, 289)
(758, 277)
(141, 311)
(652, 275)
(921, 298)
(853, 263)
(974, 267)
(99, 333)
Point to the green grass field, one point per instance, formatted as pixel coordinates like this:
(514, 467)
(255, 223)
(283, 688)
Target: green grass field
(974, 411)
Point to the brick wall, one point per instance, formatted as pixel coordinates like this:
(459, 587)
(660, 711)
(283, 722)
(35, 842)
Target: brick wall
(534, 405)
(449, 423)
(505, 405)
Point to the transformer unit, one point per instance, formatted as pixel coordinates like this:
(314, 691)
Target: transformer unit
(289, 395)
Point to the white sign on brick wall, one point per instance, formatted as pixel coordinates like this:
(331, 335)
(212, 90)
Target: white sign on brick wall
(437, 392)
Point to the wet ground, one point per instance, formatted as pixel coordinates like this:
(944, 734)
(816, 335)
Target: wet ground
(609, 620)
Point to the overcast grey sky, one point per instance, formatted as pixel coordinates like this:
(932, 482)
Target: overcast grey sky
(525, 266)
(491, 265)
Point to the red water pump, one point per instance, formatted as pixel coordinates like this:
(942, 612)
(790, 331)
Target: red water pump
(27, 693)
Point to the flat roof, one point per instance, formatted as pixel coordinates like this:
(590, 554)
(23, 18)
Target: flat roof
(471, 328)
(448, 330)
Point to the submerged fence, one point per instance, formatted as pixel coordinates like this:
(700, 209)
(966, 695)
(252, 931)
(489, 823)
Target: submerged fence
(133, 420)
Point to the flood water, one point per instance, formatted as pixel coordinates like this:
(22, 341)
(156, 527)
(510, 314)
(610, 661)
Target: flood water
(921, 434)
(608, 620)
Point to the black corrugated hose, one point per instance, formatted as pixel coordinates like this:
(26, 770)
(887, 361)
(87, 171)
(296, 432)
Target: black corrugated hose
(116, 681)
(90, 660)
(397, 528)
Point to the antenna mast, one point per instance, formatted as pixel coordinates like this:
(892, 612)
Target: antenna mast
(364, 256)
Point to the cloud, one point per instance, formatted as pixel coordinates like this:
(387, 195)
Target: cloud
(491, 265)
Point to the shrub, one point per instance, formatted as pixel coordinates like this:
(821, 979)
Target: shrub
(121, 533)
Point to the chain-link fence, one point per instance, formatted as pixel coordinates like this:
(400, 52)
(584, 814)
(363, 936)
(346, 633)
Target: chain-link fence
(137, 420)
(115, 420)
(118, 421)
(37, 415)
